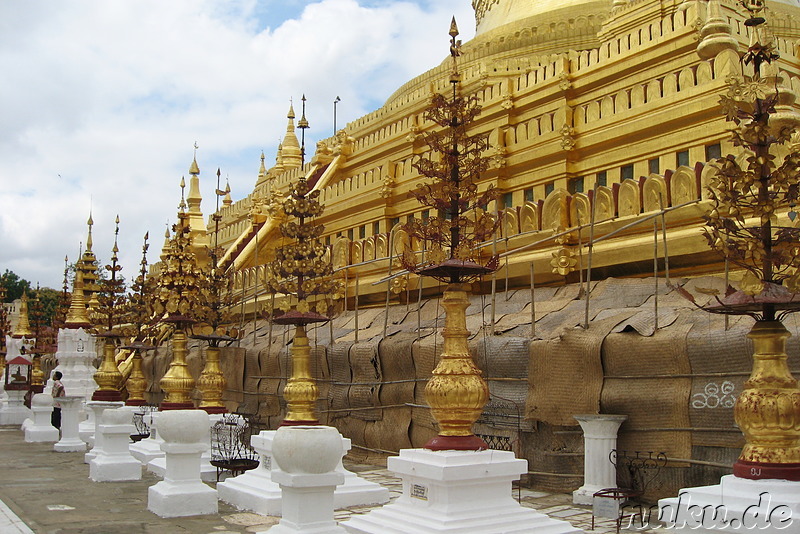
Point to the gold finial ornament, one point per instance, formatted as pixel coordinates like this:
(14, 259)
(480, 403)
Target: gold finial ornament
(301, 390)
(111, 301)
(751, 224)
(175, 298)
(456, 392)
(178, 382)
(211, 383)
(37, 375)
(77, 316)
(301, 273)
(136, 384)
(23, 328)
(108, 377)
(768, 410)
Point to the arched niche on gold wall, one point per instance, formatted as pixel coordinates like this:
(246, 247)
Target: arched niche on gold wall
(529, 217)
(554, 210)
(654, 193)
(683, 185)
(628, 201)
(580, 210)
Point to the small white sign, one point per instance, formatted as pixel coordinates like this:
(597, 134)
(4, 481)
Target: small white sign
(418, 491)
(59, 507)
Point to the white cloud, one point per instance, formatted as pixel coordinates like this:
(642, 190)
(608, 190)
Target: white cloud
(112, 95)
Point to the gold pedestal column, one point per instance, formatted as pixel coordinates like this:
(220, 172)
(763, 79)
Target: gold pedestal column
(768, 410)
(301, 390)
(37, 375)
(108, 377)
(136, 383)
(211, 383)
(177, 382)
(456, 393)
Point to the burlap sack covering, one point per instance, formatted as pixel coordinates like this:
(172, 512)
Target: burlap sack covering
(553, 324)
(728, 354)
(566, 374)
(268, 388)
(392, 431)
(365, 366)
(232, 363)
(321, 373)
(623, 292)
(657, 408)
(426, 355)
(339, 361)
(252, 369)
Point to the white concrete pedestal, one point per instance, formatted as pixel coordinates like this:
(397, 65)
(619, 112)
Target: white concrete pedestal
(112, 461)
(465, 492)
(97, 408)
(208, 473)
(75, 354)
(256, 491)
(307, 503)
(599, 439)
(41, 428)
(181, 493)
(70, 442)
(734, 505)
(14, 412)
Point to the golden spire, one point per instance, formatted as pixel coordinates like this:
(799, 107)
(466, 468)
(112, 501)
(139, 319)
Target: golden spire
(262, 172)
(279, 168)
(88, 267)
(227, 201)
(194, 198)
(165, 248)
(90, 223)
(77, 317)
(23, 328)
(290, 150)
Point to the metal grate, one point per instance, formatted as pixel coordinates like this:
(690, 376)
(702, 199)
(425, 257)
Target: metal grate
(497, 443)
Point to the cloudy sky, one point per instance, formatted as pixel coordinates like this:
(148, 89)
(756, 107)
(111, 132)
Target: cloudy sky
(101, 103)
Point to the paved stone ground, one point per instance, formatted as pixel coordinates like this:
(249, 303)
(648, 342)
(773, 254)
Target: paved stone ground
(46, 492)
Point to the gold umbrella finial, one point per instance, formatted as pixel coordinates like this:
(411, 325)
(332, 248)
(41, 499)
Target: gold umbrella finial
(77, 317)
(23, 328)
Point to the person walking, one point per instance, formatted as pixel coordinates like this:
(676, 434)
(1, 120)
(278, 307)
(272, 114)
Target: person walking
(58, 391)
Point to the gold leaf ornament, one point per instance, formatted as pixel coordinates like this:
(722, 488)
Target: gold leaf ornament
(751, 284)
(563, 261)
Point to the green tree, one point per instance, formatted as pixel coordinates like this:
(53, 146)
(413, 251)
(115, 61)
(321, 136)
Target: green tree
(14, 285)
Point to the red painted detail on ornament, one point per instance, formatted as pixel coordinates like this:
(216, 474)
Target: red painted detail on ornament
(761, 471)
(299, 423)
(176, 406)
(107, 396)
(456, 443)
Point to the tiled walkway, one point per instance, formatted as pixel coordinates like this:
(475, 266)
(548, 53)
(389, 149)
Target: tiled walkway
(45, 492)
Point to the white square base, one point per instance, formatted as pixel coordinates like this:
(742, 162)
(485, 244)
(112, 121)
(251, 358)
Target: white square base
(110, 468)
(734, 505)
(255, 491)
(70, 445)
(168, 499)
(208, 473)
(38, 434)
(456, 492)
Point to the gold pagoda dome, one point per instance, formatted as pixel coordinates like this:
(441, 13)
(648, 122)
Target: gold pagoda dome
(494, 14)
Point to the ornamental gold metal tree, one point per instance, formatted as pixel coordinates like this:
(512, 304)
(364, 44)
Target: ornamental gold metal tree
(138, 317)
(215, 317)
(456, 393)
(174, 300)
(300, 271)
(753, 225)
(111, 299)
